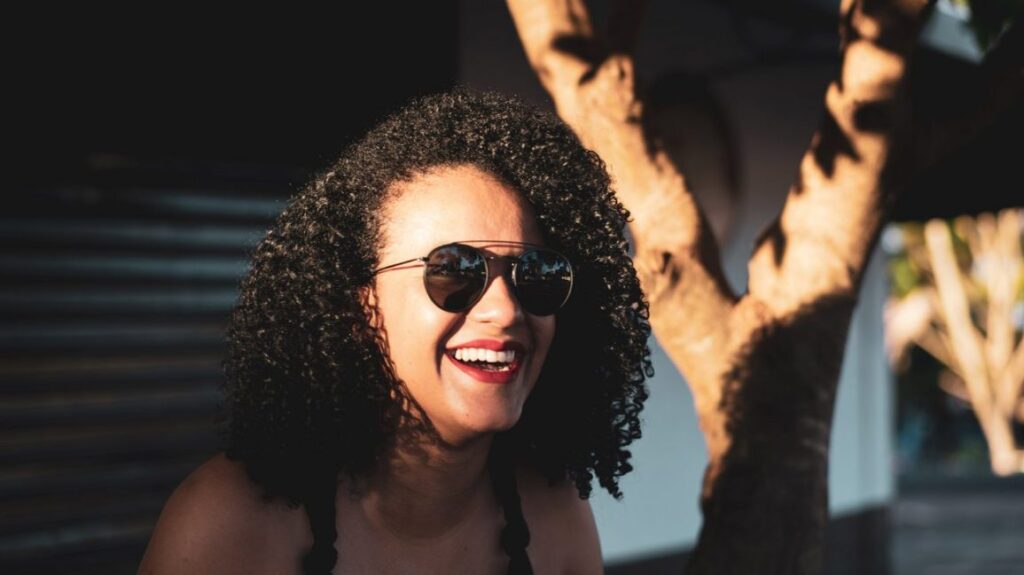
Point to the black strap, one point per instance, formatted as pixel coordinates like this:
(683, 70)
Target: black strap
(322, 555)
(515, 537)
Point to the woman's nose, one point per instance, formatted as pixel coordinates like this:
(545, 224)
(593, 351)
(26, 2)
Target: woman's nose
(498, 304)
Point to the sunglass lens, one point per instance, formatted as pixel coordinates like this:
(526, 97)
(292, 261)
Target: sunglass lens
(455, 277)
(543, 281)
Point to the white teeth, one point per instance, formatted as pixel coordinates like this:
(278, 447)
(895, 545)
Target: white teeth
(488, 355)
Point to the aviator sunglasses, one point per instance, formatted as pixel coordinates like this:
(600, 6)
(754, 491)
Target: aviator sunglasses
(455, 276)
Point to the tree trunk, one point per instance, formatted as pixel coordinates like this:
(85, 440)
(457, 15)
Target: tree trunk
(762, 367)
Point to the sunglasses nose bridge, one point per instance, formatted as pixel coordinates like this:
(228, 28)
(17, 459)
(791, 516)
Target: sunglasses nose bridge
(502, 266)
(492, 306)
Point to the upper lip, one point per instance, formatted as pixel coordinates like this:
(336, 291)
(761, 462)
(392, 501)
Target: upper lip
(492, 344)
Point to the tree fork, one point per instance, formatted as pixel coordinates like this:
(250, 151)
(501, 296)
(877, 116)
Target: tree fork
(763, 367)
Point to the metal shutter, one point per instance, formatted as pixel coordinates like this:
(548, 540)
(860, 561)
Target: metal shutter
(115, 292)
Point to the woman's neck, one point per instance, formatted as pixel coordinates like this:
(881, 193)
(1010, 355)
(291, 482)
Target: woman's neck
(429, 491)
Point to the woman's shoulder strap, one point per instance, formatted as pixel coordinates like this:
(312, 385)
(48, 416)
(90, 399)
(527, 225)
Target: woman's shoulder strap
(320, 508)
(515, 536)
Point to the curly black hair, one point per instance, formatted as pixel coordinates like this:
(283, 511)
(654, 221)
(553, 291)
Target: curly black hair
(309, 389)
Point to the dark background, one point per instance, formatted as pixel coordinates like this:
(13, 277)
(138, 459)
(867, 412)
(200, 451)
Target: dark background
(281, 88)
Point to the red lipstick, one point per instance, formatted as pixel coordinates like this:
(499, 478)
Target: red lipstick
(488, 376)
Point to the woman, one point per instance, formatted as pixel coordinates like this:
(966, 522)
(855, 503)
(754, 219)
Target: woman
(440, 344)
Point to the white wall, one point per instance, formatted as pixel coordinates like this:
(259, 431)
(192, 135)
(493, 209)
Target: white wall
(774, 112)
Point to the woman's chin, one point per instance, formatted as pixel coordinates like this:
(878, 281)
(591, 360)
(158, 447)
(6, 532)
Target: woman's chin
(496, 423)
(480, 427)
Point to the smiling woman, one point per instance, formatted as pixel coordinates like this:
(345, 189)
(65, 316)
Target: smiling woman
(462, 401)
(439, 346)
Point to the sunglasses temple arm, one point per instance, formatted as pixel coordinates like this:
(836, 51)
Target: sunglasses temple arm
(387, 267)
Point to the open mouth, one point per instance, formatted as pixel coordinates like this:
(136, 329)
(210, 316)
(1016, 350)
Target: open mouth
(486, 360)
(488, 365)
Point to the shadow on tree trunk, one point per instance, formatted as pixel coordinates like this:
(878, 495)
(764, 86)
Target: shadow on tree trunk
(765, 503)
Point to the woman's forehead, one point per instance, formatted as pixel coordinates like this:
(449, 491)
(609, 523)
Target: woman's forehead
(452, 204)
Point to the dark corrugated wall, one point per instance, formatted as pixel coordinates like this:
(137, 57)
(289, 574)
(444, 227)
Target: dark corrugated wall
(115, 294)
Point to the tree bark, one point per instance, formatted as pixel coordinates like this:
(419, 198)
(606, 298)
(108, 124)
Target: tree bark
(762, 367)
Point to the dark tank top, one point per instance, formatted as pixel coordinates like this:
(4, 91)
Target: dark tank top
(515, 536)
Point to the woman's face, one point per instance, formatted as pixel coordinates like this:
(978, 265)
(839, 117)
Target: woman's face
(459, 204)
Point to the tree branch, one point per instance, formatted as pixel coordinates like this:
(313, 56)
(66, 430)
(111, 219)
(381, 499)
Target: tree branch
(811, 251)
(906, 321)
(677, 258)
(1012, 384)
(1005, 269)
(966, 344)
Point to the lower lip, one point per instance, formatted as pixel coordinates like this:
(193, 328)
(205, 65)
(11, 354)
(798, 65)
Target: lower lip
(484, 375)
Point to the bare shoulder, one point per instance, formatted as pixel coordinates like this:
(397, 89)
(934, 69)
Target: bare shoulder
(216, 521)
(563, 534)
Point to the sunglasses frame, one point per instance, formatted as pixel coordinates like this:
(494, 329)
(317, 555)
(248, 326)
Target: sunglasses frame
(513, 262)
